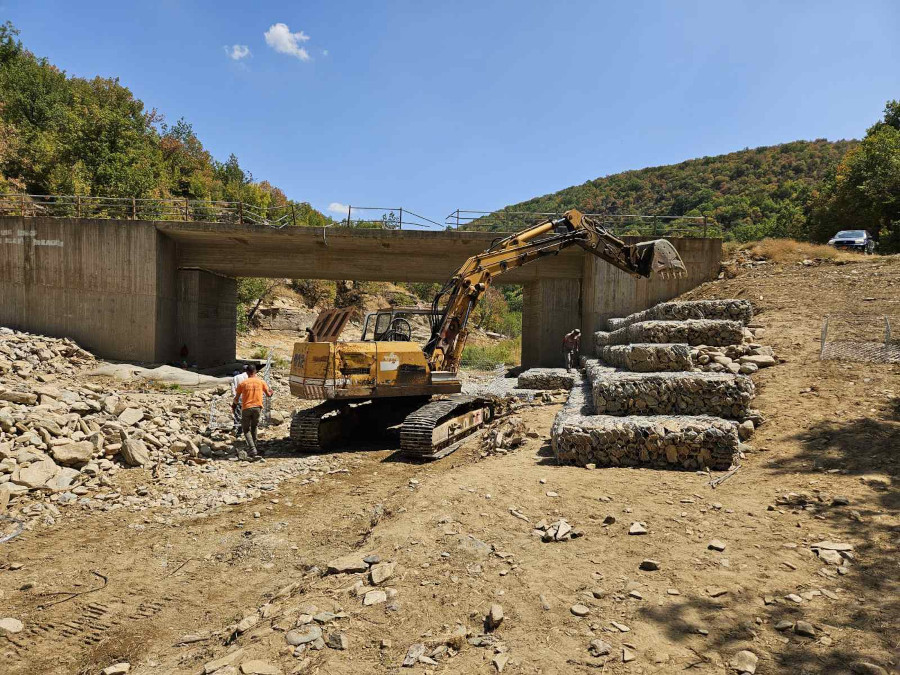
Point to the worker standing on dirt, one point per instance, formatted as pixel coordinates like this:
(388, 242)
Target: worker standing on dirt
(571, 348)
(249, 395)
(239, 376)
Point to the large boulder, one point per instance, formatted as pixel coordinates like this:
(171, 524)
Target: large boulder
(36, 474)
(73, 454)
(134, 451)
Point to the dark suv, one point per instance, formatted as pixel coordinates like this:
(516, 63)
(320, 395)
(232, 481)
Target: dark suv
(853, 240)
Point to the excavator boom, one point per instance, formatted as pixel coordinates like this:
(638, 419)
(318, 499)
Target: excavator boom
(549, 237)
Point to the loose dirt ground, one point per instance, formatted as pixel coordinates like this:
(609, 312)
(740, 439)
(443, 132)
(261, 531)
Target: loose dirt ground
(833, 429)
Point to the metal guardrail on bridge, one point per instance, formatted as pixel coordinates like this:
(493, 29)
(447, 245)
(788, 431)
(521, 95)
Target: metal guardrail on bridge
(366, 217)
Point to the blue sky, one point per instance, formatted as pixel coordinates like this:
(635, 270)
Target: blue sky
(438, 106)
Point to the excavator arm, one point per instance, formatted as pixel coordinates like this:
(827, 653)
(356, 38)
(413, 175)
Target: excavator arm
(549, 237)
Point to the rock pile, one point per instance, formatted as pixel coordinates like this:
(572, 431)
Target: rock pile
(646, 401)
(63, 439)
(724, 310)
(693, 332)
(24, 355)
(507, 435)
(745, 358)
(647, 358)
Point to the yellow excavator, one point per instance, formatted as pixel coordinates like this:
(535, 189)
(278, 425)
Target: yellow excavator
(386, 379)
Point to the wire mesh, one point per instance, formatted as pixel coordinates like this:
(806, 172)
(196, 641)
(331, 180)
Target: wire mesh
(871, 338)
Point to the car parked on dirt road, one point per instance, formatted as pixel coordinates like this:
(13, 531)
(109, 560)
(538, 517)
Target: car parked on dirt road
(853, 240)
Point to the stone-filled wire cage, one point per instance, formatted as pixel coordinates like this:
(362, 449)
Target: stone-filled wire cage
(866, 338)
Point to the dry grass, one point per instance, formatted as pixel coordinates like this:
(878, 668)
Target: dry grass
(790, 251)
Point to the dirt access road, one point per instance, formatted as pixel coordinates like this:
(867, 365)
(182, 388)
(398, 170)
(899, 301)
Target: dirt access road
(177, 585)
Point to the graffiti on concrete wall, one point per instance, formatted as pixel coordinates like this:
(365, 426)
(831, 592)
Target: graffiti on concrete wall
(19, 237)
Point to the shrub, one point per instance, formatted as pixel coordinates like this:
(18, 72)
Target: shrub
(488, 357)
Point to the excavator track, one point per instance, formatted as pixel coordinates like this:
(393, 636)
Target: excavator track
(313, 429)
(437, 429)
(334, 423)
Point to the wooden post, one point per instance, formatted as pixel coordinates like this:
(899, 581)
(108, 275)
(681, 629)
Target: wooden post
(241, 212)
(185, 208)
(348, 214)
(23, 204)
(133, 208)
(293, 215)
(401, 217)
(78, 206)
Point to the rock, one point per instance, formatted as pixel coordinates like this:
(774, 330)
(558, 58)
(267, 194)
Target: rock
(744, 662)
(381, 572)
(499, 662)
(247, 623)
(349, 564)
(374, 598)
(338, 641)
(759, 360)
(413, 654)
(131, 416)
(830, 557)
(649, 565)
(11, 626)
(867, 668)
(276, 418)
(36, 474)
(621, 627)
(116, 669)
(784, 624)
(840, 500)
(494, 617)
(372, 559)
(259, 667)
(805, 629)
(716, 545)
(745, 430)
(609, 520)
(73, 454)
(627, 655)
(637, 528)
(301, 637)
(228, 660)
(793, 597)
(832, 546)
(134, 451)
(599, 648)
(580, 610)
(716, 591)
(20, 397)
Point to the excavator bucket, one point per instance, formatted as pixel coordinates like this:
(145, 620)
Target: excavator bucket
(659, 257)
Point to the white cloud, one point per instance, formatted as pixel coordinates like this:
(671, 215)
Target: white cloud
(324, 52)
(280, 38)
(237, 52)
(337, 207)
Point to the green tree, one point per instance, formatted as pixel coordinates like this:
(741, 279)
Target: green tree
(864, 190)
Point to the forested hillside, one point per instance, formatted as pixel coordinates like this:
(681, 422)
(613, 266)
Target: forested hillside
(63, 135)
(750, 194)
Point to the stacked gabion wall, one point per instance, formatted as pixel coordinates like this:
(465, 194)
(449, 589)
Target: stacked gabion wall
(647, 358)
(726, 310)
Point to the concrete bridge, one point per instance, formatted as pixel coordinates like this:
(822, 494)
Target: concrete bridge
(143, 291)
